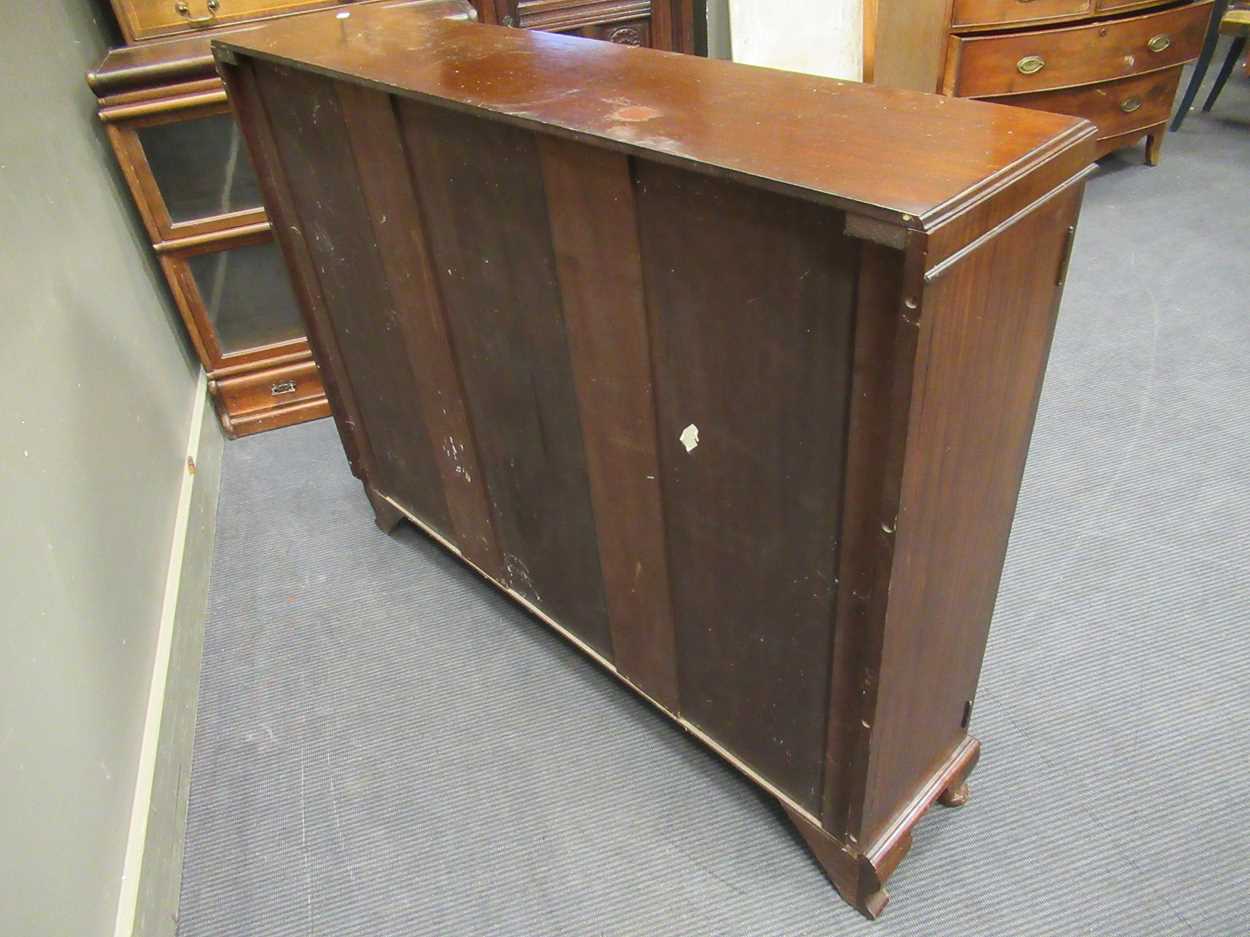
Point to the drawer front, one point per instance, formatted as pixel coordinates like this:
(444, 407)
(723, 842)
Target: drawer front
(264, 390)
(1040, 60)
(1011, 12)
(1118, 6)
(1117, 107)
(142, 19)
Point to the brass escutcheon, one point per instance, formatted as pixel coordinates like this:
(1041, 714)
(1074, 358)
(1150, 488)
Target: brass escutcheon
(1030, 65)
(1159, 43)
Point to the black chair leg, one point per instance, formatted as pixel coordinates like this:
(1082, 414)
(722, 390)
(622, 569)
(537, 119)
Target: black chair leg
(1234, 53)
(1220, 7)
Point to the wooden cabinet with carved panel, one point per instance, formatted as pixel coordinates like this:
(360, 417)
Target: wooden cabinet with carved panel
(1115, 62)
(657, 24)
(179, 149)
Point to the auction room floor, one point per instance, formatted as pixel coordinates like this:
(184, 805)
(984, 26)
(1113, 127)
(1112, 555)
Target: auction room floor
(387, 746)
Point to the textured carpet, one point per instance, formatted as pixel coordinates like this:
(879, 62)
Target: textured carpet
(387, 746)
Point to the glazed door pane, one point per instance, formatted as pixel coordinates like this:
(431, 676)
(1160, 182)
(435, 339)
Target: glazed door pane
(247, 296)
(201, 167)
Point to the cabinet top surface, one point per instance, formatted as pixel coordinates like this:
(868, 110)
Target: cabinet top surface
(887, 152)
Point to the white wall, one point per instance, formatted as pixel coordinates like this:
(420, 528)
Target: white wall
(96, 394)
(821, 37)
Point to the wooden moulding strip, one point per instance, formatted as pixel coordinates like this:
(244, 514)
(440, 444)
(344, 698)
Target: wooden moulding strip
(607, 665)
(212, 237)
(942, 266)
(162, 105)
(960, 761)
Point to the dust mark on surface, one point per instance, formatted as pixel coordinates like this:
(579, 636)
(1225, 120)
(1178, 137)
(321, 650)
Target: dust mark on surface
(690, 437)
(454, 451)
(519, 576)
(635, 113)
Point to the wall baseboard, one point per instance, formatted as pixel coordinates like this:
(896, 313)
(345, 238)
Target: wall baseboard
(152, 876)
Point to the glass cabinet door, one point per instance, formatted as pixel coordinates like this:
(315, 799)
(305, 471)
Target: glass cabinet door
(200, 167)
(189, 169)
(238, 296)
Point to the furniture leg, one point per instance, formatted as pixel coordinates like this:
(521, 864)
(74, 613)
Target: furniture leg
(860, 883)
(1154, 144)
(957, 791)
(1234, 52)
(859, 872)
(385, 514)
(1204, 60)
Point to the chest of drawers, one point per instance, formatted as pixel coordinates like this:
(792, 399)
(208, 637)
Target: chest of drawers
(1114, 62)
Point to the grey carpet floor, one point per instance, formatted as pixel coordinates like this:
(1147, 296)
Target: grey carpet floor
(387, 746)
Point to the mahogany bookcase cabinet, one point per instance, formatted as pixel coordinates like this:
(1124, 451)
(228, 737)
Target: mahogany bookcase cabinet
(728, 374)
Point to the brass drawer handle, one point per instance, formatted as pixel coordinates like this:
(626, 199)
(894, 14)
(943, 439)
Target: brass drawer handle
(282, 387)
(1128, 105)
(1030, 65)
(184, 10)
(1159, 43)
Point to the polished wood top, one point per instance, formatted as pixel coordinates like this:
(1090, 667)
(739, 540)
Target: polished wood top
(900, 155)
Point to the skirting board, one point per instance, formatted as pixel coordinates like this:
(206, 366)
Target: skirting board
(152, 878)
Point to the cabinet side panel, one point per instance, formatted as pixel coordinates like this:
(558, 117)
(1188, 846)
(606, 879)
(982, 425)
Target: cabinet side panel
(985, 332)
(312, 144)
(750, 298)
(481, 189)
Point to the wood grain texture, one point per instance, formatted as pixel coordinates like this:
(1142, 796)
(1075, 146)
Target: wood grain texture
(312, 143)
(594, 228)
(1075, 55)
(1016, 12)
(817, 138)
(751, 304)
(1115, 107)
(399, 233)
(280, 205)
(985, 328)
(486, 221)
(909, 43)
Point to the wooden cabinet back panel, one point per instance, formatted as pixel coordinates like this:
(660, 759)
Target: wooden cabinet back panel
(1060, 58)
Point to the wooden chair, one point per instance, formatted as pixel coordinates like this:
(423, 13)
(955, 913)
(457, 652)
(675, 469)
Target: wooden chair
(1235, 23)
